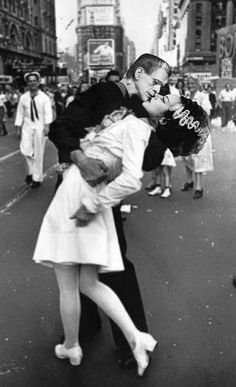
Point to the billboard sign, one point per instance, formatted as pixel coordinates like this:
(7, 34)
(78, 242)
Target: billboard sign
(202, 77)
(101, 52)
(98, 2)
(100, 15)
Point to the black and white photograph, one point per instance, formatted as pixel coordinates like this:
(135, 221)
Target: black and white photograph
(118, 193)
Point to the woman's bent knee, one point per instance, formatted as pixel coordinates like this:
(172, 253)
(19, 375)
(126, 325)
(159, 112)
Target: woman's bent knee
(88, 280)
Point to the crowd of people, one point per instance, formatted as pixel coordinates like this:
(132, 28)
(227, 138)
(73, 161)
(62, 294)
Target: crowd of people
(107, 135)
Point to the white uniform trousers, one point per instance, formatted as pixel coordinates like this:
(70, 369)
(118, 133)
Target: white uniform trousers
(32, 147)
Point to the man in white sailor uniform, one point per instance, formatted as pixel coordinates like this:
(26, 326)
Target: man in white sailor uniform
(33, 116)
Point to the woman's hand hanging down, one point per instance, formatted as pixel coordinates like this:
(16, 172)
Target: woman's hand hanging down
(82, 217)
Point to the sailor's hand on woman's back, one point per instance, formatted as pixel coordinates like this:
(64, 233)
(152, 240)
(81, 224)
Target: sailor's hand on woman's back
(94, 171)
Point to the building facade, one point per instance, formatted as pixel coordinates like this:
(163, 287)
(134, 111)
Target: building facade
(27, 38)
(194, 38)
(168, 23)
(226, 44)
(200, 23)
(100, 37)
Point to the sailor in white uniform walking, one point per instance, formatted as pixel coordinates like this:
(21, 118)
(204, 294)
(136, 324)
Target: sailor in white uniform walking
(33, 116)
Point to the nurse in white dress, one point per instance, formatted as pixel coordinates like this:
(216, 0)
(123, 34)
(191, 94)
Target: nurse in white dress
(203, 161)
(78, 236)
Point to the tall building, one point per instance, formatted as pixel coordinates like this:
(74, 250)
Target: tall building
(226, 44)
(165, 44)
(100, 37)
(195, 36)
(200, 23)
(27, 37)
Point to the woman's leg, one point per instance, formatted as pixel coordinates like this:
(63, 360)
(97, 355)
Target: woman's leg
(189, 174)
(198, 181)
(110, 303)
(166, 176)
(155, 188)
(70, 309)
(167, 182)
(155, 180)
(198, 189)
(107, 300)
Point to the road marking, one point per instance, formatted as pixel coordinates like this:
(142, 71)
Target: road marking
(23, 191)
(9, 155)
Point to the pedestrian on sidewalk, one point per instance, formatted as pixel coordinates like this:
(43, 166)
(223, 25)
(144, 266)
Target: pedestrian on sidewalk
(197, 164)
(226, 99)
(3, 129)
(78, 236)
(33, 116)
(161, 183)
(143, 80)
(163, 173)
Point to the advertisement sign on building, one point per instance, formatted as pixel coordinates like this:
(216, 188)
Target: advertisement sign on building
(101, 52)
(202, 77)
(97, 2)
(103, 15)
(227, 51)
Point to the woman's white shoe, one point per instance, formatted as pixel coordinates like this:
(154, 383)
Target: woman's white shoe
(145, 344)
(156, 191)
(166, 193)
(74, 354)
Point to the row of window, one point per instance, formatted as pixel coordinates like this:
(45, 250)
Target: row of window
(49, 46)
(218, 21)
(21, 10)
(18, 8)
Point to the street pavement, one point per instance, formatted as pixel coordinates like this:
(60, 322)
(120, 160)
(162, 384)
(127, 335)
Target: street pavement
(184, 254)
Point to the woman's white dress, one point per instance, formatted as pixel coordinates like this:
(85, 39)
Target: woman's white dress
(168, 159)
(202, 161)
(121, 147)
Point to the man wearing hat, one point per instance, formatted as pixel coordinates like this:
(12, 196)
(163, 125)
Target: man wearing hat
(33, 116)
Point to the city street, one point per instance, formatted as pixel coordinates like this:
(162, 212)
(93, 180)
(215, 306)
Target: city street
(184, 254)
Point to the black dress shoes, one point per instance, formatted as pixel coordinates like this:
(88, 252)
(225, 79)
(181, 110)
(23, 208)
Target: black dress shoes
(126, 360)
(28, 179)
(234, 281)
(198, 194)
(187, 186)
(35, 184)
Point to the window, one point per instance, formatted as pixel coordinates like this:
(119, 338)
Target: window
(198, 39)
(5, 4)
(198, 20)
(45, 45)
(199, 7)
(219, 21)
(213, 41)
(36, 20)
(219, 5)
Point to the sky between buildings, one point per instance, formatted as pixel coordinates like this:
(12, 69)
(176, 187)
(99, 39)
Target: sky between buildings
(140, 17)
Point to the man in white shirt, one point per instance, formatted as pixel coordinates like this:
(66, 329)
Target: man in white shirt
(3, 129)
(33, 116)
(226, 98)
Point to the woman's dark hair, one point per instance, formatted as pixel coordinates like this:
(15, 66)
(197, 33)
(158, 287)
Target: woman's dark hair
(149, 63)
(185, 130)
